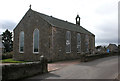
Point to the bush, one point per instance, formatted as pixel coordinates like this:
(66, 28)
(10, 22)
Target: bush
(7, 55)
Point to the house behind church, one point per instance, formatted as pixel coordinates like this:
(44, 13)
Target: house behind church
(100, 49)
(112, 48)
(39, 34)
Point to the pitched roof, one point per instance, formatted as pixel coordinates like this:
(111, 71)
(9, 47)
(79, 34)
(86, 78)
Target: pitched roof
(63, 24)
(112, 45)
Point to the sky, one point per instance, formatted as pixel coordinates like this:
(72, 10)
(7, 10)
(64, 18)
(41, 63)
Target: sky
(98, 16)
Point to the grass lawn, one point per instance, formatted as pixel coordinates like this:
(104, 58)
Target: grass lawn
(11, 61)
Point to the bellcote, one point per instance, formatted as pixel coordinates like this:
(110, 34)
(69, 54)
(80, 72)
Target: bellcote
(77, 20)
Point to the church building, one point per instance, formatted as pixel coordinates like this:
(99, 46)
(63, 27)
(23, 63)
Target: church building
(38, 34)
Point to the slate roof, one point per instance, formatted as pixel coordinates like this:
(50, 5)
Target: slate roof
(63, 24)
(112, 45)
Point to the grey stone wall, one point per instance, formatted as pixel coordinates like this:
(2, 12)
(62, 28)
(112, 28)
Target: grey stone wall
(58, 46)
(22, 70)
(28, 24)
(86, 58)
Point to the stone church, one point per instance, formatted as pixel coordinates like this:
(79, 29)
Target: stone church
(38, 34)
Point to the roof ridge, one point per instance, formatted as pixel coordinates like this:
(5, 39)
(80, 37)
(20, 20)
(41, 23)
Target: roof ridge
(56, 18)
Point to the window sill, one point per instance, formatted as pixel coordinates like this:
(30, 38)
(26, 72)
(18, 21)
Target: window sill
(35, 52)
(21, 52)
(68, 52)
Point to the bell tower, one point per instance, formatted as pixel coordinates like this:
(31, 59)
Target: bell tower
(77, 20)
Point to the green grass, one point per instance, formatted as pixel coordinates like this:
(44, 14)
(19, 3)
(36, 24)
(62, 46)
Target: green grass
(11, 61)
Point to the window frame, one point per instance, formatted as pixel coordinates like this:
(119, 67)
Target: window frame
(87, 42)
(20, 42)
(78, 34)
(38, 41)
(69, 33)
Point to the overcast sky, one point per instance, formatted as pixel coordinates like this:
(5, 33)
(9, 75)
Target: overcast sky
(98, 16)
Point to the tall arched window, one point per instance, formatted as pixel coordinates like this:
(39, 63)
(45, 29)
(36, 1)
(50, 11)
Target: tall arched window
(87, 43)
(68, 42)
(78, 43)
(36, 41)
(21, 42)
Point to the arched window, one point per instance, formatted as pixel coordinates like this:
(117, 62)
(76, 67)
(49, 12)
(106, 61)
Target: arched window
(68, 42)
(21, 42)
(78, 43)
(36, 41)
(87, 43)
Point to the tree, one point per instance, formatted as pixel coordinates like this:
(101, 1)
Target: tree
(98, 47)
(7, 41)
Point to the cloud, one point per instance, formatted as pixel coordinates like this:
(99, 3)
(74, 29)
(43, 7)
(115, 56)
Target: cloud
(107, 32)
(99, 17)
(6, 24)
(107, 29)
(106, 40)
(107, 8)
(119, 23)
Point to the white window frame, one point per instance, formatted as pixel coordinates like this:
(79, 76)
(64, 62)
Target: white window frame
(87, 41)
(69, 40)
(20, 41)
(78, 44)
(38, 41)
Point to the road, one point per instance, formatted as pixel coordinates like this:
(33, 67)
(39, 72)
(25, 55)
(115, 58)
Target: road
(104, 68)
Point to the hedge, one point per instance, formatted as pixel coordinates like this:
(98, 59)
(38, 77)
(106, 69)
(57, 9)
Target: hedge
(7, 55)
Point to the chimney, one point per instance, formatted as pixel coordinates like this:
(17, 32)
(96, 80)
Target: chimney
(78, 20)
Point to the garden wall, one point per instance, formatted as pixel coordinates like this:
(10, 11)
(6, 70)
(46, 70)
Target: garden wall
(22, 70)
(86, 58)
